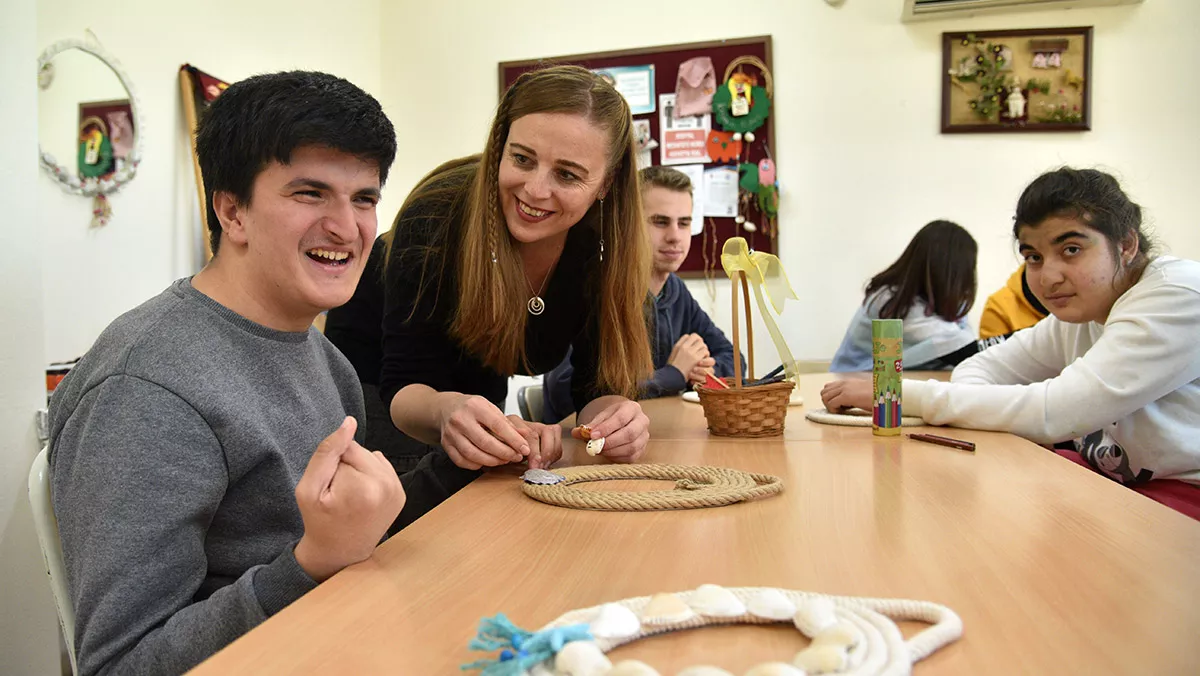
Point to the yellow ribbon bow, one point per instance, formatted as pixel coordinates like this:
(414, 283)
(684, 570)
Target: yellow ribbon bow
(763, 271)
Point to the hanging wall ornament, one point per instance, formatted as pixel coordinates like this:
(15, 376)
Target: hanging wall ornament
(96, 173)
(694, 87)
(741, 105)
(766, 171)
(722, 147)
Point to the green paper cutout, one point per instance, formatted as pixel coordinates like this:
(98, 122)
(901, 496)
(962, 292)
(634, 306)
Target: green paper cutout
(749, 180)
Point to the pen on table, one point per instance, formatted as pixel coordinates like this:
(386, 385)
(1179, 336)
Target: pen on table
(944, 441)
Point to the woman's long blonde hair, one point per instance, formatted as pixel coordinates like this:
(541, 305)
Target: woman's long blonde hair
(490, 316)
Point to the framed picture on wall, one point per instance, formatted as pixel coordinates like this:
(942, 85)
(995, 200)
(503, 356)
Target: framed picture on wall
(1017, 80)
(106, 136)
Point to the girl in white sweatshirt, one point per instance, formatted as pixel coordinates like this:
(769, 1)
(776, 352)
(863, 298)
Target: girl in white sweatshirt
(1115, 368)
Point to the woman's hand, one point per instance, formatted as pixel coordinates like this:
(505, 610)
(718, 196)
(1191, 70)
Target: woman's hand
(544, 440)
(624, 427)
(843, 394)
(477, 434)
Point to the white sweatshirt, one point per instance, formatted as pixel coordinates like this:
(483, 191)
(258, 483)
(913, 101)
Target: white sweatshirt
(1127, 391)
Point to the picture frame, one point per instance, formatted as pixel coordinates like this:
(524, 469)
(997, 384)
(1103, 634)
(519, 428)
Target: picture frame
(1022, 80)
(106, 138)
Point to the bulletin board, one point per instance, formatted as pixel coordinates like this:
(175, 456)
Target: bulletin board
(706, 247)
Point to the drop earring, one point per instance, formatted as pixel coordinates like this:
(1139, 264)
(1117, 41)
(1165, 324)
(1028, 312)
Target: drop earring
(601, 229)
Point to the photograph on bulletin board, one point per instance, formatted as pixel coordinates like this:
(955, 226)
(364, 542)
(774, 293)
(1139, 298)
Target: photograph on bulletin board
(704, 109)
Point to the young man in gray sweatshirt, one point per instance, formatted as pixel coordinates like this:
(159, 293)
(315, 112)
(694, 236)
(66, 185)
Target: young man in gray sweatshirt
(204, 454)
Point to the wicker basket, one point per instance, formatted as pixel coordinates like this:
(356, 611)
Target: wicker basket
(739, 411)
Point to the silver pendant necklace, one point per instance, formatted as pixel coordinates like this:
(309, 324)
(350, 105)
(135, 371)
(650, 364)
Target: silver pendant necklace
(536, 305)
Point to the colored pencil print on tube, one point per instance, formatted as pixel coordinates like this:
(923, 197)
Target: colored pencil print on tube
(887, 347)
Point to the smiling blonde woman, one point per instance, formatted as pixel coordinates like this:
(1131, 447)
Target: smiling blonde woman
(500, 262)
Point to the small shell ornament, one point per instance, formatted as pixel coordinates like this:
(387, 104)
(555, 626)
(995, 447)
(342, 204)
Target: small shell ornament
(814, 616)
(666, 609)
(716, 601)
(594, 446)
(581, 658)
(771, 604)
(614, 621)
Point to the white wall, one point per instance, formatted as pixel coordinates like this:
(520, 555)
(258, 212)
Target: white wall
(28, 627)
(861, 161)
(91, 276)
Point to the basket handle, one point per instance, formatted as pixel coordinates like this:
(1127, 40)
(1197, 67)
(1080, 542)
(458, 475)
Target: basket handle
(737, 348)
(750, 60)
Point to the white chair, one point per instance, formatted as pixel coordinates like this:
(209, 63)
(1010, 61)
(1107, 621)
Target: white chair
(529, 402)
(47, 530)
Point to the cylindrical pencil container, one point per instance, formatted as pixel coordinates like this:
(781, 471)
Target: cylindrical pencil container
(887, 347)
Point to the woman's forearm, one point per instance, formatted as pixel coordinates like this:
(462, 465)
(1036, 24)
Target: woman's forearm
(418, 411)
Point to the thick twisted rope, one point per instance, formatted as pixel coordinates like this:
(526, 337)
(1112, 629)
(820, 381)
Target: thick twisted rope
(695, 487)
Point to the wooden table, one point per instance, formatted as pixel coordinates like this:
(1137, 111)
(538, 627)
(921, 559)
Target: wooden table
(1053, 569)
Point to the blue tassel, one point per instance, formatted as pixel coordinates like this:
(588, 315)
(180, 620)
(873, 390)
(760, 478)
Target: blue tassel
(519, 649)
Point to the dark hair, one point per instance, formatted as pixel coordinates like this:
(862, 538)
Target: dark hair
(938, 267)
(664, 177)
(1088, 195)
(267, 117)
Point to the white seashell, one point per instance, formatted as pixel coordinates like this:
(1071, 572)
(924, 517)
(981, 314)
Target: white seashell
(771, 604)
(716, 601)
(666, 609)
(749, 136)
(581, 658)
(594, 446)
(749, 227)
(822, 659)
(633, 668)
(775, 669)
(737, 136)
(704, 670)
(814, 616)
(614, 620)
(841, 634)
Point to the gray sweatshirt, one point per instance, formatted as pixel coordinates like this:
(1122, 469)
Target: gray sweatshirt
(176, 445)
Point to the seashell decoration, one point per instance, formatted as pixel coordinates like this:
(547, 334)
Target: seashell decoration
(666, 609)
(716, 601)
(814, 616)
(594, 446)
(841, 634)
(771, 604)
(581, 658)
(822, 659)
(614, 621)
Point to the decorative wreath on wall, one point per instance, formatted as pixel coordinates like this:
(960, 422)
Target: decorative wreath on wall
(848, 635)
(96, 188)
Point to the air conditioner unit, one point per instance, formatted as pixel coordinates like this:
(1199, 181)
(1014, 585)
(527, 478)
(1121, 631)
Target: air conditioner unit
(924, 10)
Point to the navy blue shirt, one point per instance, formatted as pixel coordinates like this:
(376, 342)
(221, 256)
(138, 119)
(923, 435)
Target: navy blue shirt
(676, 314)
